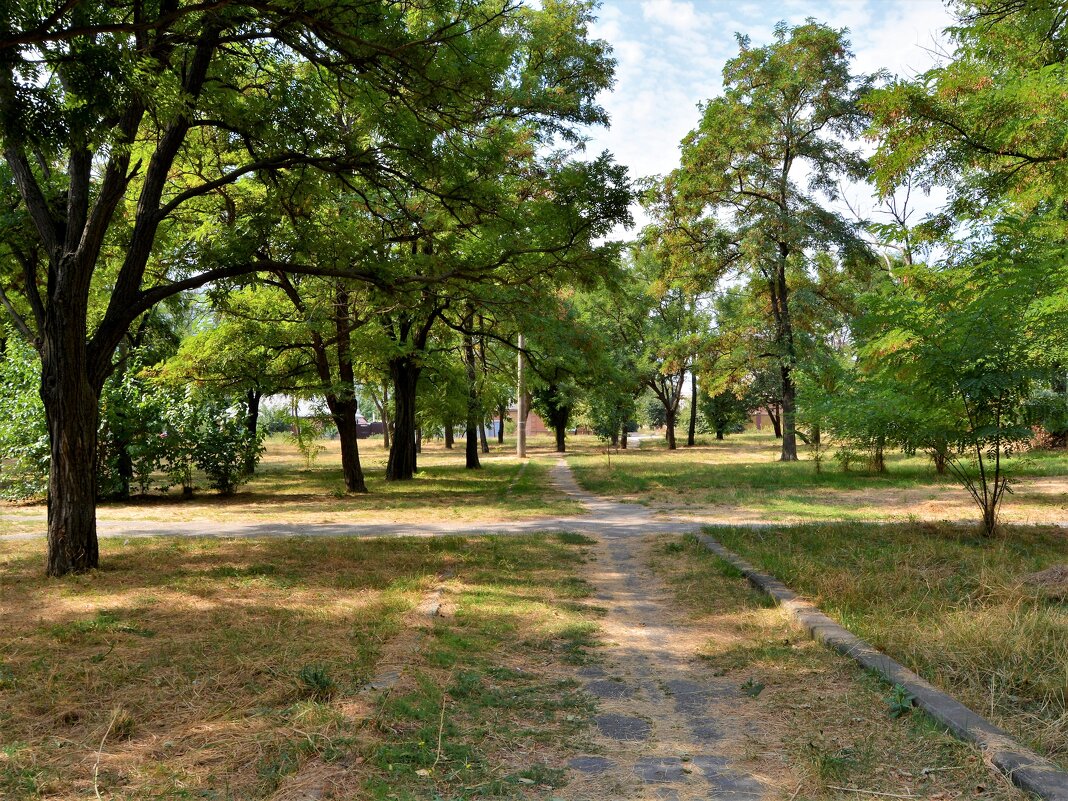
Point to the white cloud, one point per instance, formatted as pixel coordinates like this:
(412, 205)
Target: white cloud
(680, 16)
(670, 56)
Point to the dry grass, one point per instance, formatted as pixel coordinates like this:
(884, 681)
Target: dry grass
(957, 608)
(217, 669)
(284, 490)
(741, 480)
(830, 720)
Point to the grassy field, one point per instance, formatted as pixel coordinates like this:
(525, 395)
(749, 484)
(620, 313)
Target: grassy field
(741, 480)
(960, 610)
(235, 670)
(286, 490)
(831, 720)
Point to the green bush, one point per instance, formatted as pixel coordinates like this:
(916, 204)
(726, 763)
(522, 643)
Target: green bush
(24, 447)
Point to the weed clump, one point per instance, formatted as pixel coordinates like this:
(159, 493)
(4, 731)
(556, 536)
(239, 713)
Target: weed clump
(316, 682)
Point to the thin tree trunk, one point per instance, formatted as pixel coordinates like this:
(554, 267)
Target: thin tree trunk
(474, 413)
(386, 421)
(623, 437)
(450, 435)
(500, 430)
(776, 422)
(343, 413)
(789, 416)
(402, 462)
(418, 439)
(482, 436)
(691, 434)
(252, 422)
(878, 461)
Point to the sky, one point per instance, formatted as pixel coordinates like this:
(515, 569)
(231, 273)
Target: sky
(670, 56)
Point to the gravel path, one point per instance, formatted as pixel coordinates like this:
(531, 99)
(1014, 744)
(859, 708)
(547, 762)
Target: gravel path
(601, 516)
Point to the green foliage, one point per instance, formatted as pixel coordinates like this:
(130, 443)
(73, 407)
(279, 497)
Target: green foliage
(988, 122)
(306, 433)
(145, 428)
(900, 701)
(724, 413)
(316, 682)
(24, 448)
(223, 447)
(608, 409)
(955, 372)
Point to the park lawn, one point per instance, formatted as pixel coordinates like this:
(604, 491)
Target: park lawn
(831, 719)
(957, 608)
(740, 479)
(286, 490)
(230, 669)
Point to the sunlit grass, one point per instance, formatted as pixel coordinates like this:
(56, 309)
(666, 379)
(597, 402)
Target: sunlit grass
(832, 717)
(286, 490)
(222, 669)
(740, 478)
(955, 606)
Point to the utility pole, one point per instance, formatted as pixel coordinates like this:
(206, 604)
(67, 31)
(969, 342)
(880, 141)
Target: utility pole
(521, 406)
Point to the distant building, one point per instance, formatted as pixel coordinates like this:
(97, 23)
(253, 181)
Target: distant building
(535, 425)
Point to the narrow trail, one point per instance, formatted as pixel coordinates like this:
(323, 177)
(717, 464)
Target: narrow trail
(667, 729)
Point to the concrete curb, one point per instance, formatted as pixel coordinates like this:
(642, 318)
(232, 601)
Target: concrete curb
(1023, 767)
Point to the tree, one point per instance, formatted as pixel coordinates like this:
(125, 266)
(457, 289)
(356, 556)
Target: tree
(724, 412)
(945, 335)
(246, 345)
(115, 118)
(661, 329)
(735, 202)
(989, 121)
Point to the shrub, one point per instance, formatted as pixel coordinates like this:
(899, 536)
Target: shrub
(223, 445)
(24, 442)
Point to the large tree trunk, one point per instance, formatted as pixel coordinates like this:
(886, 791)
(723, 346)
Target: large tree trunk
(343, 413)
(623, 437)
(789, 416)
(72, 410)
(252, 421)
(691, 434)
(669, 421)
(719, 433)
(450, 436)
(402, 462)
(341, 402)
(561, 437)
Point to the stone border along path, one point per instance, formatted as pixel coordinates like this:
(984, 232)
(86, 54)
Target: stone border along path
(1023, 766)
(616, 523)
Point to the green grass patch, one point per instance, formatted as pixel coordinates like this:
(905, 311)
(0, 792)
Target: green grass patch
(743, 474)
